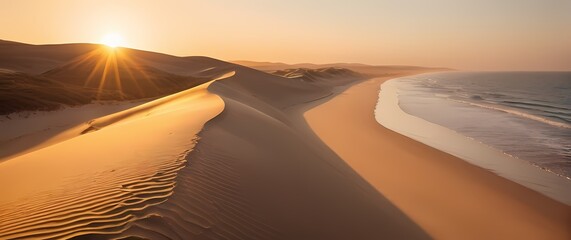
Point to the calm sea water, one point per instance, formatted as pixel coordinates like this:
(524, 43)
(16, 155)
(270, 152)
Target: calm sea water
(526, 115)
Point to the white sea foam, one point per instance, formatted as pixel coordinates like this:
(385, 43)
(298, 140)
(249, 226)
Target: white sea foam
(518, 113)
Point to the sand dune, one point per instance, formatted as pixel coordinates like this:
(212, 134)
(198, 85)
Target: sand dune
(295, 183)
(256, 172)
(100, 181)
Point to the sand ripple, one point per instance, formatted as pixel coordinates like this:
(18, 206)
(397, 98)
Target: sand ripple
(102, 208)
(206, 204)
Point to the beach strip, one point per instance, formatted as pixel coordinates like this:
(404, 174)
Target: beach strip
(446, 196)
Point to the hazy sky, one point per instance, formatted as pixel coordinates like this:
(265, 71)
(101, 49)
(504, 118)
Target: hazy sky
(464, 34)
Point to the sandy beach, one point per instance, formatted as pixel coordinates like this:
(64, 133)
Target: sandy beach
(445, 196)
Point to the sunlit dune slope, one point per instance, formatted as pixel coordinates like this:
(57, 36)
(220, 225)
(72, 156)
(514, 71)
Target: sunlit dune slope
(102, 180)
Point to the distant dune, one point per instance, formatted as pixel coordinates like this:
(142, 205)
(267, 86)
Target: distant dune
(320, 73)
(114, 71)
(52, 76)
(36, 59)
(370, 70)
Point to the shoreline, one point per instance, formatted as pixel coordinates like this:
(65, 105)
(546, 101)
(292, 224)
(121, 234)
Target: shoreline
(237, 179)
(446, 196)
(392, 116)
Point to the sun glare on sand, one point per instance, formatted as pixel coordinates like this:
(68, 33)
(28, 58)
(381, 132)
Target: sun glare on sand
(112, 40)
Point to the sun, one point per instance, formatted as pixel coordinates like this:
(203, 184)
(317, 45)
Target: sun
(112, 40)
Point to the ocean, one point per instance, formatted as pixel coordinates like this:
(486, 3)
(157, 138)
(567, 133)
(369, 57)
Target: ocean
(524, 117)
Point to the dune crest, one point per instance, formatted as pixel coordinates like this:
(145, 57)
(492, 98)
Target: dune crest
(160, 106)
